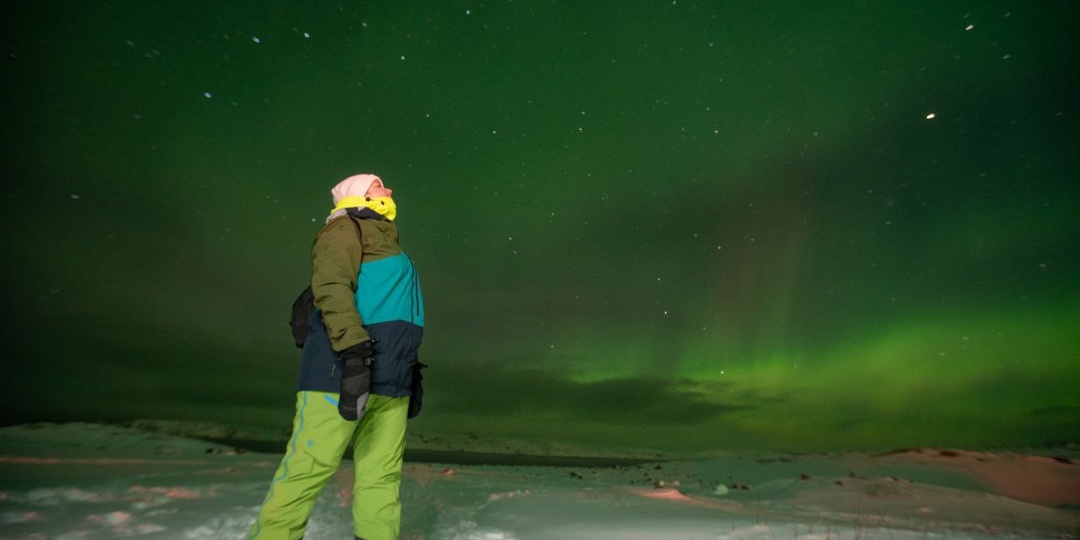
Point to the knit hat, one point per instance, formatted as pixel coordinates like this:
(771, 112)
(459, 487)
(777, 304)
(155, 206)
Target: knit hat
(353, 186)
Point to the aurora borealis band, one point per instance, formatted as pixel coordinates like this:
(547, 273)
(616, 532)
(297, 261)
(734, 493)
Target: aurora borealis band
(681, 224)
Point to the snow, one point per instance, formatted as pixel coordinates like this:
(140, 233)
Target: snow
(87, 481)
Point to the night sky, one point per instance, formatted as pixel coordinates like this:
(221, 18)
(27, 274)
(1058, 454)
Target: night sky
(693, 225)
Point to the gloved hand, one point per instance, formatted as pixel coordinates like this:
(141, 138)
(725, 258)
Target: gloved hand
(355, 379)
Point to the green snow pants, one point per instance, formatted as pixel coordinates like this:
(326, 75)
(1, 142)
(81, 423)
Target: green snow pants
(319, 440)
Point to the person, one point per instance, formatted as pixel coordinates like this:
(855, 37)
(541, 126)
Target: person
(359, 373)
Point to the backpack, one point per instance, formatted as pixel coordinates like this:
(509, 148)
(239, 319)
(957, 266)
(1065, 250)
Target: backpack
(302, 308)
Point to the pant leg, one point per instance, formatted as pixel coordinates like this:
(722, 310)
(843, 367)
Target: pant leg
(319, 439)
(378, 450)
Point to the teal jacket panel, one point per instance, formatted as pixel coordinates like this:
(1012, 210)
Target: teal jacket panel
(389, 290)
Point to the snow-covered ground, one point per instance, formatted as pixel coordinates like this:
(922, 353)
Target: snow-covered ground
(85, 481)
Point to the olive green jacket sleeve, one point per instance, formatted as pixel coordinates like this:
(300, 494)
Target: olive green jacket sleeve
(335, 263)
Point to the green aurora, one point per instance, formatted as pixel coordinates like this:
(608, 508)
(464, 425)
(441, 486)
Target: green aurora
(689, 225)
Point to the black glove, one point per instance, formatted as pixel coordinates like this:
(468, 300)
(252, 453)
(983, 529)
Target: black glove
(355, 380)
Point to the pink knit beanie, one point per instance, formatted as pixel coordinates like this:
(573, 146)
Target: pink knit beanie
(353, 186)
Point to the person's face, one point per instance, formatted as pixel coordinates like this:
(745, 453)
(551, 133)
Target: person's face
(377, 189)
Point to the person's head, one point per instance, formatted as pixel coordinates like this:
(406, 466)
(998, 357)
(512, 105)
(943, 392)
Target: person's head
(361, 190)
(378, 189)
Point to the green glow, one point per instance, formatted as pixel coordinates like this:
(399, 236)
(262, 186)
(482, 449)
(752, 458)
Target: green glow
(694, 225)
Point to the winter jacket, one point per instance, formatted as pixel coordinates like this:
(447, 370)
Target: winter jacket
(365, 287)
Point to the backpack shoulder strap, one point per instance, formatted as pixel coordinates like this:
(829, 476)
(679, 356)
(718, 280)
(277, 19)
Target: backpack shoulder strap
(359, 233)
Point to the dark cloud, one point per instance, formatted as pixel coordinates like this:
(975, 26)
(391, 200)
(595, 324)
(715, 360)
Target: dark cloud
(541, 394)
(1068, 412)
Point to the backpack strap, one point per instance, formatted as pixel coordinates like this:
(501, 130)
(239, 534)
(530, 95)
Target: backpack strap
(359, 233)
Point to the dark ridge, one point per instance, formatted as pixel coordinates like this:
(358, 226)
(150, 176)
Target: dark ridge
(473, 458)
(451, 457)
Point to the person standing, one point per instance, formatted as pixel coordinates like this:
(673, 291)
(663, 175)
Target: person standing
(360, 372)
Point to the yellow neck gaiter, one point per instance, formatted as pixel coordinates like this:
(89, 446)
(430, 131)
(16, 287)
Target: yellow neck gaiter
(383, 205)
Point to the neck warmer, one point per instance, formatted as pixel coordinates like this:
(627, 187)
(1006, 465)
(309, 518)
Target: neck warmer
(384, 206)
